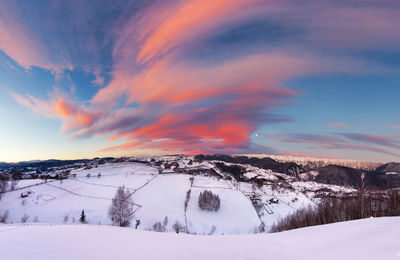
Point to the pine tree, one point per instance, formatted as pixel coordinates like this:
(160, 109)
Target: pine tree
(83, 217)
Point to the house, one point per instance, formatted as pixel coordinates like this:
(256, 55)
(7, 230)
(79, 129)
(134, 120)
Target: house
(273, 201)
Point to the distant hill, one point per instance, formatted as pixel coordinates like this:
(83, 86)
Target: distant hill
(288, 168)
(389, 167)
(328, 174)
(311, 163)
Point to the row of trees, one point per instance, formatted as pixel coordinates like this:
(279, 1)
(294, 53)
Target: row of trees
(372, 204)
(9, 181)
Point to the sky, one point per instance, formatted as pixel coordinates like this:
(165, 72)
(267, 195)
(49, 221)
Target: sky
(84, 78)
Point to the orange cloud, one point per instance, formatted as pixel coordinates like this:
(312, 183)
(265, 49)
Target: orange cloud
(74, 116)
(64, 108)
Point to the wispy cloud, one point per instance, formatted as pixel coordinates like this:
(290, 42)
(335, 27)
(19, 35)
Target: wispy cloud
(159, 88)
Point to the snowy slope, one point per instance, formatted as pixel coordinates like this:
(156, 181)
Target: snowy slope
(156, 196)
(362, 239)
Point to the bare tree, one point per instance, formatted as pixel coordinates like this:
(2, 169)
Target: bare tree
(13, 184)
(362, 194)
(122, 208)
(161, 227)
(16, 175)
(24, 218)
(158, 227)
(165, 222)
(3, 183)
(187, 199)
(213, 229)
(260, 228)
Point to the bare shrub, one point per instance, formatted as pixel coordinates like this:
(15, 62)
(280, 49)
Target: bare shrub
(209, 201)
(213, 229)
(122, 208)
(24, 218)
(35, 219)
(165, 222)
(158, 227)
(66, 218)
(178, 227)
(4, 216)
(161, 227)
(23, 202)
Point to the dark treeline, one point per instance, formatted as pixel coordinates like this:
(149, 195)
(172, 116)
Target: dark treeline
(371, 204)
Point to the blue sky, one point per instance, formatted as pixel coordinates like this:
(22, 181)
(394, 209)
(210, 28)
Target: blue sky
(82, 79)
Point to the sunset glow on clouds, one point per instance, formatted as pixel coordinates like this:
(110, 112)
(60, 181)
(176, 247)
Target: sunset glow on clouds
(200, 76)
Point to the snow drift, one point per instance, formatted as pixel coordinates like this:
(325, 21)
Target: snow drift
(362, 239)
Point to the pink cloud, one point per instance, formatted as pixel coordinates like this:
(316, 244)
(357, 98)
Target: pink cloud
(17, 41)
(157, 94)
(187, 20)
(73, 116)
(393, 126)
(98, 81)
(36, 105)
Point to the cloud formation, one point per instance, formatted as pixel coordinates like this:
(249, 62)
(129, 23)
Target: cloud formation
(166, 92)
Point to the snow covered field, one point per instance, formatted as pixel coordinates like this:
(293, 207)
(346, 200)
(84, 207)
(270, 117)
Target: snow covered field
(376, 238)
(156, 196)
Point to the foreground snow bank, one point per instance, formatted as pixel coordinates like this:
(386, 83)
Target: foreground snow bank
(362, 239)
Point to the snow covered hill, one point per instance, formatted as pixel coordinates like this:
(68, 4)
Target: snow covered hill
(313, 162)
(156, 197)
(375, 238)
